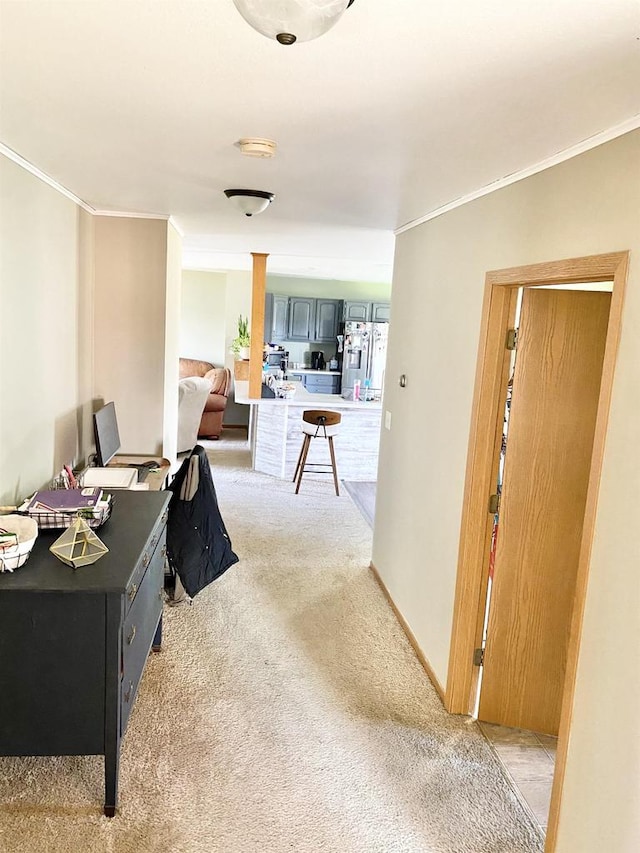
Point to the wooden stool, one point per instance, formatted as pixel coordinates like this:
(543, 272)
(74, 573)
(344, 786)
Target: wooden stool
(317, 423)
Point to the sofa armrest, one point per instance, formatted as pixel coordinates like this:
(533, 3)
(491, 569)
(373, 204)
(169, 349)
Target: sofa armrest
(220, 378)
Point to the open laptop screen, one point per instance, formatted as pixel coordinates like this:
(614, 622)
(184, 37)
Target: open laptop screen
(105, 429)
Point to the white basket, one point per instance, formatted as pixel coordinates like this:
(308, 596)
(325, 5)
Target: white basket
(285, 391)
(26, 530)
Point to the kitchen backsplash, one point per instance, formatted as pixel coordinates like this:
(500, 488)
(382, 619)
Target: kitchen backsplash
(300, 353)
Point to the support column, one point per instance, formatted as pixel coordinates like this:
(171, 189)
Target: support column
(258, 293)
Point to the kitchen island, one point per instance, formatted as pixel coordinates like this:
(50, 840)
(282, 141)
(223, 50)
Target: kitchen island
(275, 433)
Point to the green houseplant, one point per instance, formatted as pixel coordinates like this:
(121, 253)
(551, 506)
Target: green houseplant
(241, 344)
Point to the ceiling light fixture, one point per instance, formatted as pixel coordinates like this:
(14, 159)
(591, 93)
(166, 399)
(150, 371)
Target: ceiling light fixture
(289, 21)
(250, 202)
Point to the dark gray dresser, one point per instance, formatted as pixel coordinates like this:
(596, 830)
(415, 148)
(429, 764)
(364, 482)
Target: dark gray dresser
(73, 643)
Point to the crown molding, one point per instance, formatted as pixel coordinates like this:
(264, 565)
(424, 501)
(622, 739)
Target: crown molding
(562, 156)
(173, 222)
(10, 154)
(125, 214)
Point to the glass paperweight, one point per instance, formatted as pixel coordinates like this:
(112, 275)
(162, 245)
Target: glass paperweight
(78, 545)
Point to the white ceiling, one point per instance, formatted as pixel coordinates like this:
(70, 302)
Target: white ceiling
(135, 106)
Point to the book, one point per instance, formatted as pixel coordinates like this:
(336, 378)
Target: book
(64, 500)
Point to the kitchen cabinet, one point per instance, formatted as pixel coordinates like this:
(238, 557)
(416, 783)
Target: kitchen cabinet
(304, 318)
(317, 383)
(301, 323)
(276, 310)
(380, 312)
(328, 316)
(322, 383)
(366, 312)
(358, 311)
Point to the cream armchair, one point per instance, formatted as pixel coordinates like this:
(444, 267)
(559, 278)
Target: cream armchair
(211, 422)
(193, 393)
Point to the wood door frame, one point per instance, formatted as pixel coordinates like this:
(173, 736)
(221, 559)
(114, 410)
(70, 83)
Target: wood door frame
(481, 476)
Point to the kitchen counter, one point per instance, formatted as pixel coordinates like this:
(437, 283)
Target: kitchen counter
(275, 433)
(302, 397)
(293, 370)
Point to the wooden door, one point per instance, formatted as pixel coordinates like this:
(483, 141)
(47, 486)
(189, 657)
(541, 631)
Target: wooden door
(551, 429)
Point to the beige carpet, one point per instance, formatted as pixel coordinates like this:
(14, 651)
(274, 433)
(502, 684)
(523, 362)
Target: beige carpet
(287, 712)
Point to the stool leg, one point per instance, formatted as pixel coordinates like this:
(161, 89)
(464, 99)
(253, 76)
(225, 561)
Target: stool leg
(305, 450)
(333, 465)
(304, 441)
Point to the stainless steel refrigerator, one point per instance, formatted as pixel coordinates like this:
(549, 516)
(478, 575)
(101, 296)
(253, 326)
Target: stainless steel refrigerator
(364, 355)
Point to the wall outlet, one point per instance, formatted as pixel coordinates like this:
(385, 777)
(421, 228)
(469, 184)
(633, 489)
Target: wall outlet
(387, 420)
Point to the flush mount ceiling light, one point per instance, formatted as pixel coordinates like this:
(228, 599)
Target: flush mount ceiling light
(249, 202)
(289, 21)
(255, 146)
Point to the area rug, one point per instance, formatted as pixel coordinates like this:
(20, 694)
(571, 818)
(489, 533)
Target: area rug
(286, 712)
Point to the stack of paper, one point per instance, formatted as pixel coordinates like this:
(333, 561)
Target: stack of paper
(110, 478)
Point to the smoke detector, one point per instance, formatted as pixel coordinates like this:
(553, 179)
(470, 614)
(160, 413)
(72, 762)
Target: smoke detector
(254, 146)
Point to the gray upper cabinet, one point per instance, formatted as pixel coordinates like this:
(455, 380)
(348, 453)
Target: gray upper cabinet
(268, 317)
(380, 312)
(365, 312)
(301, 318)
(359, 311)
(275, 317)
(280, 315)
(328, 316)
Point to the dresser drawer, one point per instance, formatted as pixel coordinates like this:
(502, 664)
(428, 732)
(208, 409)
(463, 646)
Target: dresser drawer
(138, 631)
(155, 544)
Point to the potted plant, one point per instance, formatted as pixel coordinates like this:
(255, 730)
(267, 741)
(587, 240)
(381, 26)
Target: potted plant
(241, 344)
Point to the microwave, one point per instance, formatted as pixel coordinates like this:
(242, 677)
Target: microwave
(275, 359)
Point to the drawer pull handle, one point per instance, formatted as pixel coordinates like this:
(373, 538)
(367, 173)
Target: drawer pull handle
(127, 695)
(146, 560)
(164, 551)
(132, 635)
(165, 515)
(132, 591)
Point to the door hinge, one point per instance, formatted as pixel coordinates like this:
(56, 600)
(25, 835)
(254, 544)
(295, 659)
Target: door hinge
(494, 504)
(512, 339)
(478, 657)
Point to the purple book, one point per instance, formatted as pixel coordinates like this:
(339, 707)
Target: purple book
(64, 500)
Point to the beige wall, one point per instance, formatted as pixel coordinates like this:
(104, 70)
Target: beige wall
(45, 332)
(239, 289)
(210, 305)
(131, 262)
(89, 308)
(203, 316)
(588, 205)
